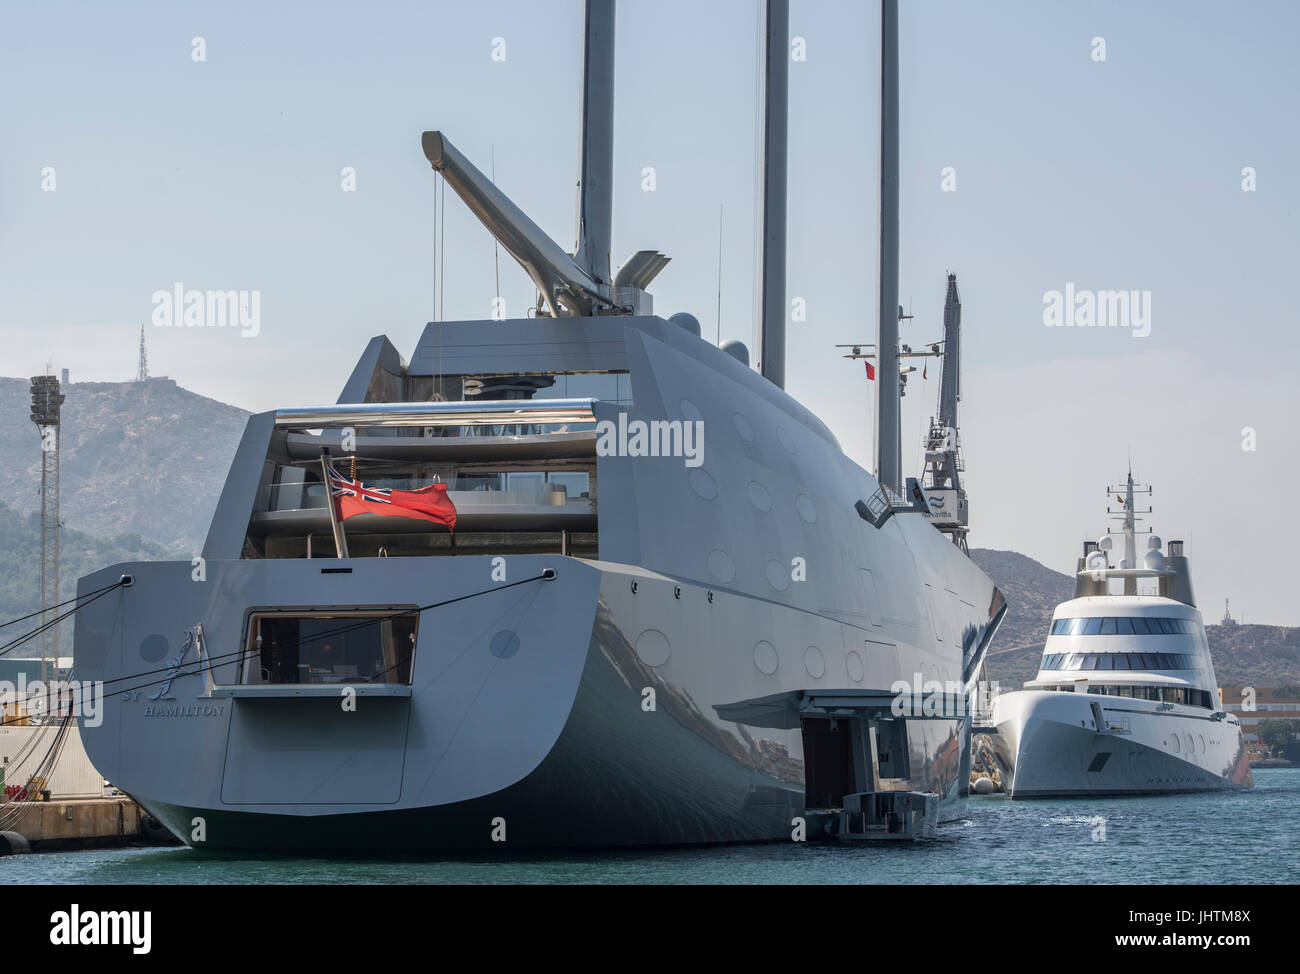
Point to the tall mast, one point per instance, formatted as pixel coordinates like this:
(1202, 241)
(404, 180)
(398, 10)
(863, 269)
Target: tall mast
(772, 218)
(888, 435)
(578, 285)
(596, 176)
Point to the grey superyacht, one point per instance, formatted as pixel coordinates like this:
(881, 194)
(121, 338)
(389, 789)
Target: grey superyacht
(666, 608)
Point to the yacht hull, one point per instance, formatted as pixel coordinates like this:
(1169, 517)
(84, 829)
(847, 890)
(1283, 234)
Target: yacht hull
(1049, 744)
(585, 737)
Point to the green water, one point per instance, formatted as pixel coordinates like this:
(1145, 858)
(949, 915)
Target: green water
(1243, 837)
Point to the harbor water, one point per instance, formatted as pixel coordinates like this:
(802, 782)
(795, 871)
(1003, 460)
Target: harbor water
(1252, 836)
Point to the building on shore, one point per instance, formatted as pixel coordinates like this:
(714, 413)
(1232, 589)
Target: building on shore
(1253, 704)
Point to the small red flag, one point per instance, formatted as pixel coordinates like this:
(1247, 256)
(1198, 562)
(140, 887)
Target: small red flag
(871, 372)
(429, 503)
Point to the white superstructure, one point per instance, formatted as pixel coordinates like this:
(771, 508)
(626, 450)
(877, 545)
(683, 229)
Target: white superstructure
(1125, 700)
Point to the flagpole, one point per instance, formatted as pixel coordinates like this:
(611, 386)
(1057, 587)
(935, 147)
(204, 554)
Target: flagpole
(340, 539)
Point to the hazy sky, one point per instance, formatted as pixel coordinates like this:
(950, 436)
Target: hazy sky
(1123, 173)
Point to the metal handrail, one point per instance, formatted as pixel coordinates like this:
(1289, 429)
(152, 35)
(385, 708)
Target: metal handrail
(500, 412)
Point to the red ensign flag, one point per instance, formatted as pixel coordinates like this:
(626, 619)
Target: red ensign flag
(871, 371)
(430, 503)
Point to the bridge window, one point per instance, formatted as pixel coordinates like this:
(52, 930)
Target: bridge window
(1123, 626)
(1186, 696)
(1118, 661)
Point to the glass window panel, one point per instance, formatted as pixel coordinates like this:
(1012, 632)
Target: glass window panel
(1140, 626)
(1124, 626)
(331, 649)
(1108, 626)
(1104, 661)
(1091, 627)
(1090, 662)
(575, 484)
(1074, 662)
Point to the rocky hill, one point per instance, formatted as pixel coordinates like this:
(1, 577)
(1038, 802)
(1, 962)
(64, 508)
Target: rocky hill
(20, 576)
(144, 457)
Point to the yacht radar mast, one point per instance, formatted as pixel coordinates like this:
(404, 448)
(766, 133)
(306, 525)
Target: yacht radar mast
(945, 498)
(1128, 515)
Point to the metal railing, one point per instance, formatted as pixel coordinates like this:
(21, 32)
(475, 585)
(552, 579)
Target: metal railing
(465, 413)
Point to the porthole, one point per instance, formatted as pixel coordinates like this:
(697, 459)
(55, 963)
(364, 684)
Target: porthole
(758, 496)
(777, 576)
(807, 510)
(814, 662)
(504, 644)
(853, 663)
(153, 648)
(653, 648)
(721, 566)
(702, 483)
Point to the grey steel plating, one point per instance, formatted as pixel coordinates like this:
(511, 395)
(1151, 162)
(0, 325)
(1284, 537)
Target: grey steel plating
(688, 595)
